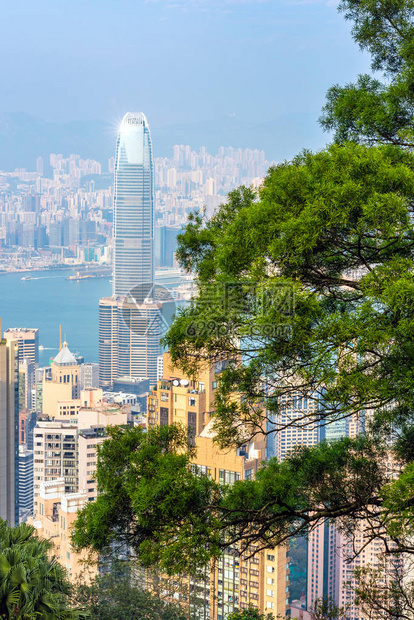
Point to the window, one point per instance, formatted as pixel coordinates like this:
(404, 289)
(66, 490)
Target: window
(270, 558)
(248, 474)
(164, 397)
(214, 385)
(270, 592)
(270, 605)
(163, 416)
(228, 477)
(192, 402)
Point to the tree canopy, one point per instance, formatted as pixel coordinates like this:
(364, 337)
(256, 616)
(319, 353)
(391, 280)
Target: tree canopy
(119, 595)
(377, 109)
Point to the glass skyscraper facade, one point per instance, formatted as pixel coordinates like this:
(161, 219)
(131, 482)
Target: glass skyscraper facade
(130, 322)
(133, 209)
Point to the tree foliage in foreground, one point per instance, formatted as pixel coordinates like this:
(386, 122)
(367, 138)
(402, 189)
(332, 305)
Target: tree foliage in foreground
(249, 614)
(379, 108)
(32, 585)
(117, 596)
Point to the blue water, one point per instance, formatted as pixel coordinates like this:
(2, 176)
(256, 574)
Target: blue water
(49, 300)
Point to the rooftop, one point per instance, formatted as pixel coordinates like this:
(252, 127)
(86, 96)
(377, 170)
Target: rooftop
(65, 357)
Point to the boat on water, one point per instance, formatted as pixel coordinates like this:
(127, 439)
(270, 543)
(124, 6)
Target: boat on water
(80, 276)
(26, 278)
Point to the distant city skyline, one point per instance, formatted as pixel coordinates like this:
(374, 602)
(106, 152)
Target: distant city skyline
(199, 62)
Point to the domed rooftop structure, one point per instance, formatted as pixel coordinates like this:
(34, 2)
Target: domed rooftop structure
(65, 357)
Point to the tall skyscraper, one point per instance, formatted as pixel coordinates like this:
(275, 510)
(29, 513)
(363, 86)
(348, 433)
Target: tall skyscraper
(9, 429)
(28, 340)
(130, 322)
(133, 207)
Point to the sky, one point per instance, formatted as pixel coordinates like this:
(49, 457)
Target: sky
(178, 61)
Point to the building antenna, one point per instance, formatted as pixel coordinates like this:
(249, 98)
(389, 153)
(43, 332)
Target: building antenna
(60, 337)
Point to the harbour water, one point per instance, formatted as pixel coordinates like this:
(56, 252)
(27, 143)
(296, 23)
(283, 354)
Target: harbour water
(48, 300)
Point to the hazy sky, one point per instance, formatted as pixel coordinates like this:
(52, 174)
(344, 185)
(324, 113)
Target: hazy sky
(179, 61)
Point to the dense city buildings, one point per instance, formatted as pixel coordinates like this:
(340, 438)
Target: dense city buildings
(9, 430)
(62, 213)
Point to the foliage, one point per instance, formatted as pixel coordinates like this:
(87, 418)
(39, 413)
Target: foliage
(146, 485)
(375, 110)
(32, 585)
(117, 596)
(385, 595)
(326, 609)
(151, 500)
(249, 614)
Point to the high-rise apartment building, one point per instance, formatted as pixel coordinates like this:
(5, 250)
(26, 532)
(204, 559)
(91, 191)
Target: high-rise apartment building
(64, 476)
(297, 424)
(237, 581)
(26, 383)
(55, 455)
(9, 429)
(89, 376)
(28, 340)
(25, 482)
(130, 322)
(57, 511)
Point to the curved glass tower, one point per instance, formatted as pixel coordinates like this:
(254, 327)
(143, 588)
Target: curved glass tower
(133, 208)
(130, 320)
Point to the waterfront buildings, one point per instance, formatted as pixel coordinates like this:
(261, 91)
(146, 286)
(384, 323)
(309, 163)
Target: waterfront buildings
(9, 429)
(61, 218)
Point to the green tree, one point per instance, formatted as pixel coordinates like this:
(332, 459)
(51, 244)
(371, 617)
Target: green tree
(326, 609)
(146, 486)
(249, 614)
(380, 109)
(32, 585)
(117, 596)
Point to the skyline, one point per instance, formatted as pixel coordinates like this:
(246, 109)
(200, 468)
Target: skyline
(184, 63)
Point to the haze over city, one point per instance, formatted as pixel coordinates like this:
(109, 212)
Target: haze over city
(241, 73)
